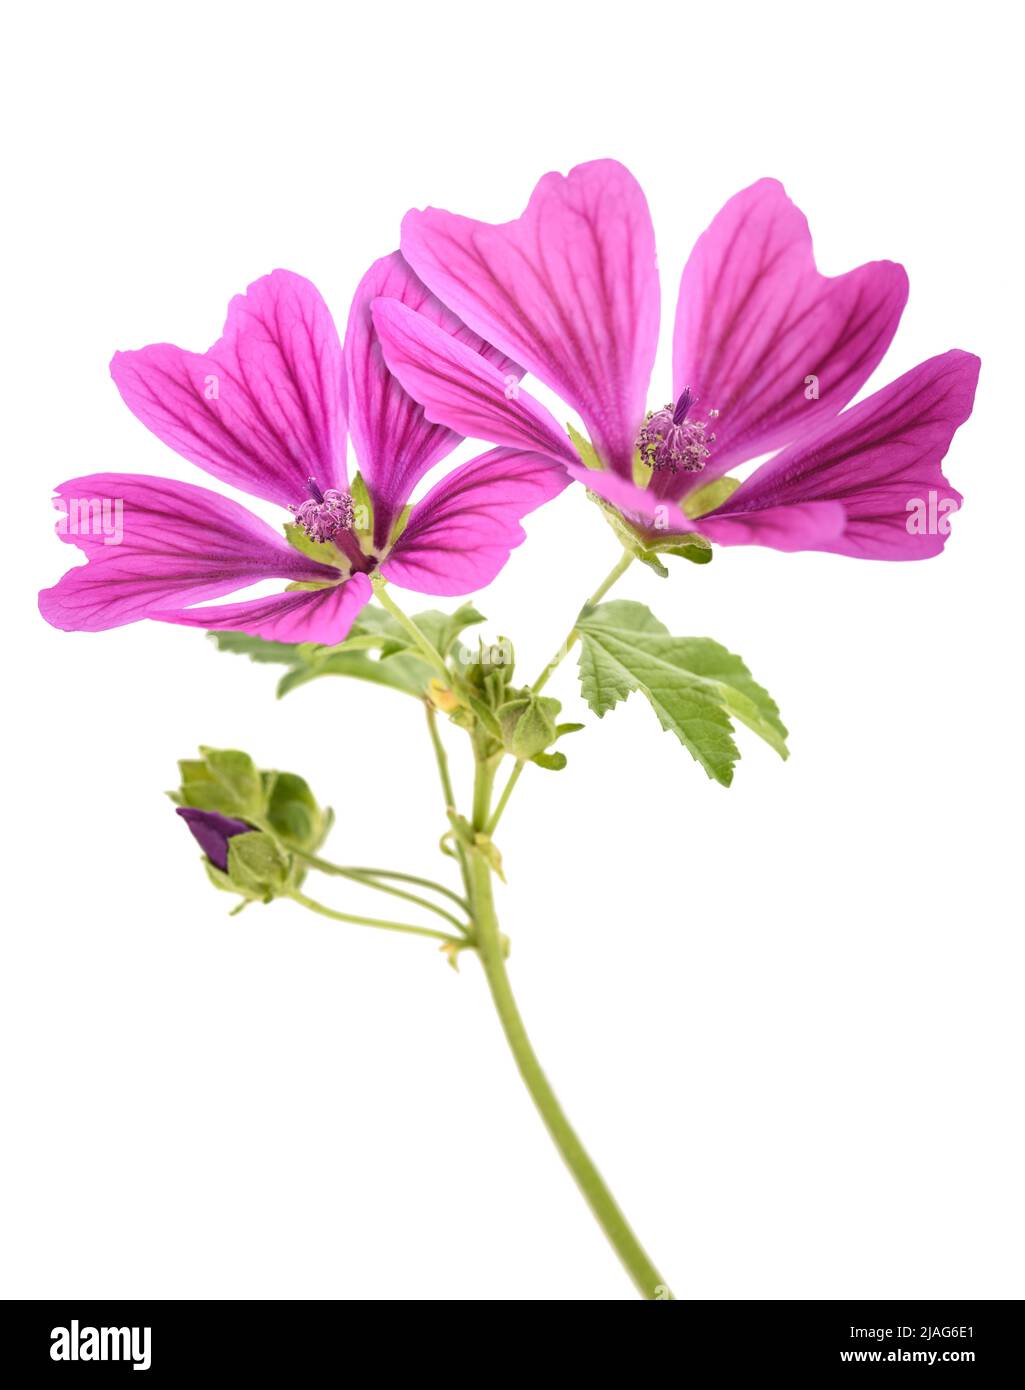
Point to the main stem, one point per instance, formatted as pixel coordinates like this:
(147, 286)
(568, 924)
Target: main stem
(488, 940)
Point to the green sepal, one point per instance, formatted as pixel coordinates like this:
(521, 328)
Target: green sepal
(691, 546)
(223, 883)
(401, 522)
(362, 511)
(324, 552)
(554, 762)
(294, 814)
(705, 499)
(226, 780)
(257, 866)
(486, 715)
(588, 454)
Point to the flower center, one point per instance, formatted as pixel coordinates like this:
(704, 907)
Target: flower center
(669, 442)
(324, 514)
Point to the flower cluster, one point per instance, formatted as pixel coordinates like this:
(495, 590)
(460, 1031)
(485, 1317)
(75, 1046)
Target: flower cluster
(771, 349)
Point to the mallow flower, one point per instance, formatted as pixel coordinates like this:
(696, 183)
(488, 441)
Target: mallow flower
(767, 352)
(266, 410)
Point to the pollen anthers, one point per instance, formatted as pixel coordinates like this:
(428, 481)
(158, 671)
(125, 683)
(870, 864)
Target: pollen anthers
(669, 442)
(324, 514)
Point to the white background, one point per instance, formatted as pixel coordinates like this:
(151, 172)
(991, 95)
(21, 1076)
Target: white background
(785, 1017)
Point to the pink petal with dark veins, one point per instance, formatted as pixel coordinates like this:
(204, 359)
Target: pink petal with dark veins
(152, 542)
(395, 444)
(264, 409)
(765, 339)
(460, 535)
(569, 289)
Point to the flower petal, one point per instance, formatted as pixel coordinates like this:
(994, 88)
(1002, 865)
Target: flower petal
(313, 615)
(880, 460)
(151, 543)
(394, 442)
(458, 388)
(460, 535)
(802, 526)
(264, 409)
(570, 289)
(765, 339)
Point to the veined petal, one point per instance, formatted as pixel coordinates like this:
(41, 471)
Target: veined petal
(313, 615)
(152, 543)
(800, 526)
(880, 460)
(264, 409)
(460, 535)
(765, 339)
(458, 388)
(570, 289)
(394, 442)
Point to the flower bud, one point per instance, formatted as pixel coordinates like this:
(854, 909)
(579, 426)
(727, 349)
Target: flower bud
(528, 724)
(212, 832)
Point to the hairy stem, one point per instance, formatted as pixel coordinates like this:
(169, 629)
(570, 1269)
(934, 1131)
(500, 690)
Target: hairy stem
(491, 949)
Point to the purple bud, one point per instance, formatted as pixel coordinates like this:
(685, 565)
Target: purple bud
(213, 831)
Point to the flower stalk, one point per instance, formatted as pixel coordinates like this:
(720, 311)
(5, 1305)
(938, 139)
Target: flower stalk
(490, 947)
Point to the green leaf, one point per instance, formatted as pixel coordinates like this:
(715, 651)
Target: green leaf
(407, 674)
(256, 648)
(442, 629)
(374, 629)
(706, 499)
(693, 684)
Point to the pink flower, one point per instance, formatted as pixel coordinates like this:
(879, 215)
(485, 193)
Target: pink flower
(766, 353)
(266, 411)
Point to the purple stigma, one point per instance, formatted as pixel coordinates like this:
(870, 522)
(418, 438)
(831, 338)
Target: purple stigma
(671, 443)
(683, 405)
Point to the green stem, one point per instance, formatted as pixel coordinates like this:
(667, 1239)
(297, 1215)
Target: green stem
(490, 947)
(441, 756)
(407, 927)
(412, 878)
(507, 792)
(626, 560)
(427, 649)
(367, 878)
